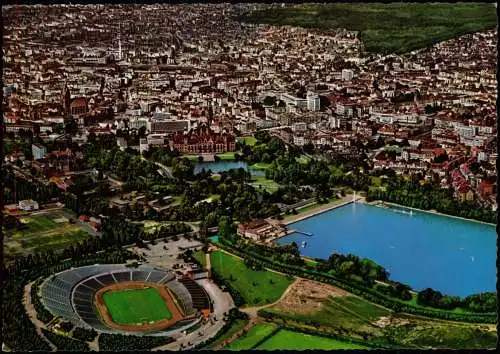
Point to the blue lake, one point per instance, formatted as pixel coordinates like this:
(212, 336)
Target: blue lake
(423, 250)
(222, 166)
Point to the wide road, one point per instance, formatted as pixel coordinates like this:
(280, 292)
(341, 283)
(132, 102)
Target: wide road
(222, 303)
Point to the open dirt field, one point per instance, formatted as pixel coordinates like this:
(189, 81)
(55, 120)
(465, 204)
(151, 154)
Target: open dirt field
(307, 296)
(177, 314)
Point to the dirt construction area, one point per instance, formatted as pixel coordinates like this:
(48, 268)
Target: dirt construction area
(165, 293)
(307, 296)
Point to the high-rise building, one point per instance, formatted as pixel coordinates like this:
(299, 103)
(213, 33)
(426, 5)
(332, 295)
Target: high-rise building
(313, 102)
(39, 151)
(347, 74)
(168, 126)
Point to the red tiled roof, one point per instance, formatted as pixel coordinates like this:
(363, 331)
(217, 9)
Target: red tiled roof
(202, 134)
(79, 102)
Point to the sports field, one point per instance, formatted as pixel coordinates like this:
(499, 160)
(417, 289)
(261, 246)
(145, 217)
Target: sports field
(41, 232)
(135, 306)
(290, 340)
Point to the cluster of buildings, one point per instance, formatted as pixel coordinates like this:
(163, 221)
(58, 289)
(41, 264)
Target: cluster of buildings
(192, 77)
(261, 230)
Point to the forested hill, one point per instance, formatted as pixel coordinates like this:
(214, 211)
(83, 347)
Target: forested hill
(385, 28)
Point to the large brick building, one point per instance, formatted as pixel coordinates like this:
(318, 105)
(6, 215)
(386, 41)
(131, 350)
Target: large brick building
(203, 140)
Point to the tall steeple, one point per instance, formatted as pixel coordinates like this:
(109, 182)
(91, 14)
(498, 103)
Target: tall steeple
(65, 99)
(119, 48)
(120, 54)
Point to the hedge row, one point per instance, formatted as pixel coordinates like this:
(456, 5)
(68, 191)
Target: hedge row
(86, 335)
(65, 343)
(42, 313)
(121, 342)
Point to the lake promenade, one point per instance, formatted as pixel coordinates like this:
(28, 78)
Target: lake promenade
(322, 208)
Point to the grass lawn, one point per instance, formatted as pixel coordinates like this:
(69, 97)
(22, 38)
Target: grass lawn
(303, 159)
(250, 339)
(12, 250)
(394, 148)
(362, 307)
(290, 340)
(429, 334)
(348, 312)
(336, 171)
(376, 181)
(136, 306)
(310, 262)
(387, 28)
(249, 140)
(351, 314)
(228, 156)
(256, 287)
(200, 257)
(39, 223)
(261, 165)
(214, 197)
(192, 158)
(262, 182)
(55, 239)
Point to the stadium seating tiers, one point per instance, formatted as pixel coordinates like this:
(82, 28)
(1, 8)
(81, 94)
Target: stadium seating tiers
(70, 294)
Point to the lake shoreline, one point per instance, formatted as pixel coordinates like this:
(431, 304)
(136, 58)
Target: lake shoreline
(399, 243)
(433, 212)
(217, 167)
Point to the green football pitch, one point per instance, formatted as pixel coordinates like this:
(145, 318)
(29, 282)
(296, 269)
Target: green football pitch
(136, 306)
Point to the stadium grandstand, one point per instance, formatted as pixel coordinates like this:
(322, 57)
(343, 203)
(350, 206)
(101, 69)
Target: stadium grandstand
(200, 299)
(70, 294)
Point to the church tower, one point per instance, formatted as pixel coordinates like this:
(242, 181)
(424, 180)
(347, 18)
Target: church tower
(66, 99)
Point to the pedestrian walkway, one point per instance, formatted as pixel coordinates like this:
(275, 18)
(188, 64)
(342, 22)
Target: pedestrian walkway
(30, 310)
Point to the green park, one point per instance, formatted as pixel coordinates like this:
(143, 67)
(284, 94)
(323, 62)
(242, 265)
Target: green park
(257, 287)
(291, 340)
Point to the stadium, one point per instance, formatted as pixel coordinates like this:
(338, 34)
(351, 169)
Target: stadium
(113, 298)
